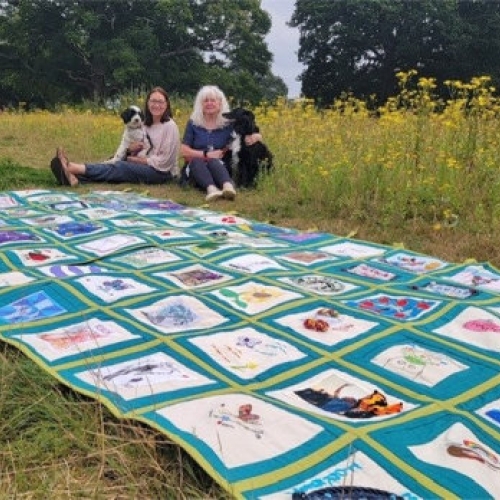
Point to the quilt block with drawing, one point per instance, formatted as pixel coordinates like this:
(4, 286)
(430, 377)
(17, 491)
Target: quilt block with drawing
(284, 362)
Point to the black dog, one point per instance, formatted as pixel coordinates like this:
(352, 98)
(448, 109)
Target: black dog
(247, 162)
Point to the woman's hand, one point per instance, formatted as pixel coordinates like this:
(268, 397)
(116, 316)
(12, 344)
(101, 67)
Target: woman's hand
(216, 154)
(251, 139)
(135, 147)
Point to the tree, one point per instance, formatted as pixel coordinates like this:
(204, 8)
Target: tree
(69, 50)
(359, 45)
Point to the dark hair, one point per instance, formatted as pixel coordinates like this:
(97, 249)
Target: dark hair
(148, 117)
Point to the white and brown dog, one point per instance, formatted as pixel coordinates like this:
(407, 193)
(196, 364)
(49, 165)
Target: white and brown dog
(134, 132)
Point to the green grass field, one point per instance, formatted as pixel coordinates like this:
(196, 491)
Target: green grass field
(412, 177)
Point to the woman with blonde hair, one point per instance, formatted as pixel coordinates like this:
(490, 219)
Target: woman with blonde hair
(207, 142)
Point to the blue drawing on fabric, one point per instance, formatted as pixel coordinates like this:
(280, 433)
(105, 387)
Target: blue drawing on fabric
(60, 271)
(402, 308)
(17, 236)
(453, 291)
(77, 228)
(166, 205)
(494, 414)
(268, 229)
(172, 315)
(31, 308)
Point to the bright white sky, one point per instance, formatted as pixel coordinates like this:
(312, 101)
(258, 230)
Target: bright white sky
(283, 42)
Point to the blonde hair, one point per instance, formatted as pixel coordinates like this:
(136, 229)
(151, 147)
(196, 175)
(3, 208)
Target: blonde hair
(214, 92)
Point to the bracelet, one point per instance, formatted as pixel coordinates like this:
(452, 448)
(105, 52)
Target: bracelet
(205, 153)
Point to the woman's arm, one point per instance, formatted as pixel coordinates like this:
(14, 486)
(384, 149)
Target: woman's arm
(253, 138)
(165, 150)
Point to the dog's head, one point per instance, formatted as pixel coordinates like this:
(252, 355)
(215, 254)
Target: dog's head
(133, 117)
(243, 121)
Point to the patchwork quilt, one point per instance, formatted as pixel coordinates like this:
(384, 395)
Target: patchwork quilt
(288, 364)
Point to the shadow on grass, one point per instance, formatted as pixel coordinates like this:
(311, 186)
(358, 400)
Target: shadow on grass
(15, 176)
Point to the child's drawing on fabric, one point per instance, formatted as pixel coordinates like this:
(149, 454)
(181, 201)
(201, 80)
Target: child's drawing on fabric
(326, 325)
(341, 396)
(300, 237)
(446, 290)
(224, 220)
(73, 229)
(14, 278)
(180, 223)
(11, 236)
(251, 263)
(179, 313)
(100, 213)
(370, 272)
(491, 412)
(242, 239)
(478, 276)
(47, 220)
(147, 206)
(168, 234)
(22, 212)
(474, 326)
(39, 256)
(247, 352)
(195, 276)
(241, 429)
(112, 288)
(307, 257)
(207, 248)
(143, 376)
(418, 364)
(357, 470)
(48, 198)
(322, 285)
(146, 257)
(460, 450)
(130, 223)
(76, 338)
(401, 308)
(253, 297)
(353, 250)
(110, 244)
(59, 271)
(417, 264)
(68, 205)
(33, 307)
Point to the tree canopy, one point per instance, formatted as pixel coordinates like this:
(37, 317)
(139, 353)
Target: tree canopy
(358, 46)
(68, 50)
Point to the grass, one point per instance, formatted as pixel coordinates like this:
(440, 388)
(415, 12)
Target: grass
(423, 175)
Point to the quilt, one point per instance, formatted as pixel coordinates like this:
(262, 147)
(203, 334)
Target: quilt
(288, 364)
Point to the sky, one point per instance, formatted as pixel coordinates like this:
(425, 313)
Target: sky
(283, 42)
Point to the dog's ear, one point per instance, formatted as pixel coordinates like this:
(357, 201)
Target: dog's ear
(126, 115)
(249, 114)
